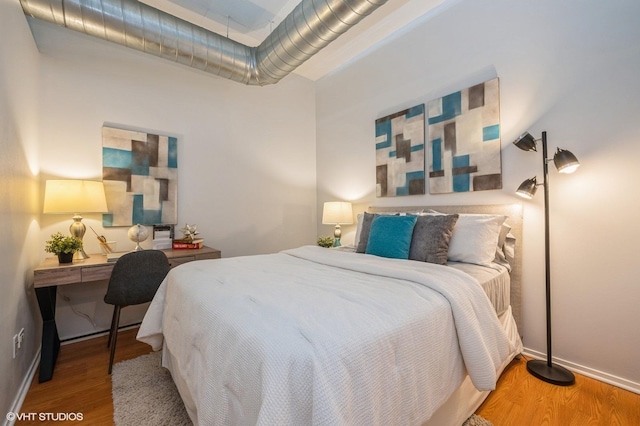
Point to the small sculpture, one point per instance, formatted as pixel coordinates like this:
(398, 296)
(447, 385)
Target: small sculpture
(189, 231)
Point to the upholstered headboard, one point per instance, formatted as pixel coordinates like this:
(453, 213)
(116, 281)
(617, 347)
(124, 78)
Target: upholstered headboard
(514, 213)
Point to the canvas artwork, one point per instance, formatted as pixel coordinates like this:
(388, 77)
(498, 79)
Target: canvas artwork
(140, 175)
(464, 140)
(400, 153)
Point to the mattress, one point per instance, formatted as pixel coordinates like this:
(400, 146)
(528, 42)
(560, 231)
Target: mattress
(314, 336)
(494, 280)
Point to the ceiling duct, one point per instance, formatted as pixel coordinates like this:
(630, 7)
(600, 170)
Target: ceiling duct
(311, 26)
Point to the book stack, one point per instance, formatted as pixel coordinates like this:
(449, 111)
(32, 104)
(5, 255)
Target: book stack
(186, 244)
(162, 236)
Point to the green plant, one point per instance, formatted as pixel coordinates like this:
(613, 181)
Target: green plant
(325, 241)
(61, 244)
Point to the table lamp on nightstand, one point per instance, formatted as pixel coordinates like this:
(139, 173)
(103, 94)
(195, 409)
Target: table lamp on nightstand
(75, 197)
(337, 213)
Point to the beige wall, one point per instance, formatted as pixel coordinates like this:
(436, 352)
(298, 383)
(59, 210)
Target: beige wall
(246, 155)
(569, 68)
(19, 204)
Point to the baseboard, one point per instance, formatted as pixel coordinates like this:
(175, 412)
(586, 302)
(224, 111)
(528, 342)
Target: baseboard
(601, 376)
(23, 389)
(98, 333)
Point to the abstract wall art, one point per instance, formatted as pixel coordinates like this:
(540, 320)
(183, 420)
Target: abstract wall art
(140, 175)
(464, 140)
(400, 153)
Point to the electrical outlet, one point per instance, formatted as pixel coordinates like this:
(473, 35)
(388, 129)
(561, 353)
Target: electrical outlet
(20, 337)
(15, 345)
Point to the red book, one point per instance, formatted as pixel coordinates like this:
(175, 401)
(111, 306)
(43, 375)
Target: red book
(184, 244)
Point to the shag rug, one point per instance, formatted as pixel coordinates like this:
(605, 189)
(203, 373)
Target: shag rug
(144, 394)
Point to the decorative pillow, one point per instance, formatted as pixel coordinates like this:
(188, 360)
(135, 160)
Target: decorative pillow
(364, 224)
(361, 246)
(475, 238)
(431, 237)
(390, 236)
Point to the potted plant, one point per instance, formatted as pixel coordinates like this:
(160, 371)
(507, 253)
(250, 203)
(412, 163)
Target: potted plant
(63, 246)
(325, 242)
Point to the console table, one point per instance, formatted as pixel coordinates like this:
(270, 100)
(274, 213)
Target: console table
(50, 274)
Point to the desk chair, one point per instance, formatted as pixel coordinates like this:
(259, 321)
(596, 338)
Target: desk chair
(135, 279)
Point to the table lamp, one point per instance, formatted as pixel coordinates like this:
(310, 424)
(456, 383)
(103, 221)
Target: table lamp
(75, 197)
(337, 213)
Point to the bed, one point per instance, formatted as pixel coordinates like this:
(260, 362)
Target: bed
(324, 336)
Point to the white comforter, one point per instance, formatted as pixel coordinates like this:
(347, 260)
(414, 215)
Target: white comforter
(316, 336)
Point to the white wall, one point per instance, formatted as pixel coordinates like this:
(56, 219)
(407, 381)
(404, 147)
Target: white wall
(246, 155)
(19, 229)
(570, 68)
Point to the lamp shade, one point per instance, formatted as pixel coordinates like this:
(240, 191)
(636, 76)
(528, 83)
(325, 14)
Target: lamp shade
(74, 196)
(526, 142)
(565, 161)
(528, 188)
(337, 213)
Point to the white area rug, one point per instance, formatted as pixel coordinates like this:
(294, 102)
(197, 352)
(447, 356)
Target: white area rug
(476, 420)
(144, 394)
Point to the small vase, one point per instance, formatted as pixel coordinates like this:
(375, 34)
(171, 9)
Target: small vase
(65, 257)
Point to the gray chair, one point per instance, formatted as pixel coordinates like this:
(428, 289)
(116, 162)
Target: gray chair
(135, 279)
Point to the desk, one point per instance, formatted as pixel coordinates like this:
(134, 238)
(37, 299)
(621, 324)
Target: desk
(50, 274)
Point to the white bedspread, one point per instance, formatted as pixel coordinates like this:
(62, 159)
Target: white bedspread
(316, 336)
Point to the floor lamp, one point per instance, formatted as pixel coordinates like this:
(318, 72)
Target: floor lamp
(565, 162)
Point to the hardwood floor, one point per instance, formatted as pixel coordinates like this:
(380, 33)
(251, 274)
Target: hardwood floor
(80, 381)
(523, 400)
(81, 385)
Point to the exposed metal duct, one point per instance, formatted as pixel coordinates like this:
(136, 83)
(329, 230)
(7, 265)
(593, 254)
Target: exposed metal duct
(311, 26)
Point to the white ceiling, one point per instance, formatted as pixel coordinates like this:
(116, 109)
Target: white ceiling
(250, 22)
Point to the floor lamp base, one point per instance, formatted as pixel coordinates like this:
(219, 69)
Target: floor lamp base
(555, 374)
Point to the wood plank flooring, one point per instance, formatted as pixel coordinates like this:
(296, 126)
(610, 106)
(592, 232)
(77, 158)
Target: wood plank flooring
(80, 381)
(523, 400)
(81, 384)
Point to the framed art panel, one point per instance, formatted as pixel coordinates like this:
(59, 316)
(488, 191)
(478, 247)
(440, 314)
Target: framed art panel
(464, 140)
(400, 153)
(140, 175)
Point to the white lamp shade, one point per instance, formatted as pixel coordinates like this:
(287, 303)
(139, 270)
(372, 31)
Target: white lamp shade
(337, 213)
(74, 196)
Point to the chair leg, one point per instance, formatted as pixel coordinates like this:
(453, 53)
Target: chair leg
(114, 331)
(113, 321)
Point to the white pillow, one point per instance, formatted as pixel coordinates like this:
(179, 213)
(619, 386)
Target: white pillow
(358, 228)
(475, 238)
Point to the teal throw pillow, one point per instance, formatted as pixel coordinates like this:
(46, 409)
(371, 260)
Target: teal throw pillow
(390, 236)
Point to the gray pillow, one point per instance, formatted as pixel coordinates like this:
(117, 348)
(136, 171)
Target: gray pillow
(431, 237)
(364, 232)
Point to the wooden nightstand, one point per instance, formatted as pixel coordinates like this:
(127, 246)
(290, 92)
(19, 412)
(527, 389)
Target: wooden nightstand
(50, 274)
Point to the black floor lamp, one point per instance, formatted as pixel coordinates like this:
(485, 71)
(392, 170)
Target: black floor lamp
(565, 162)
